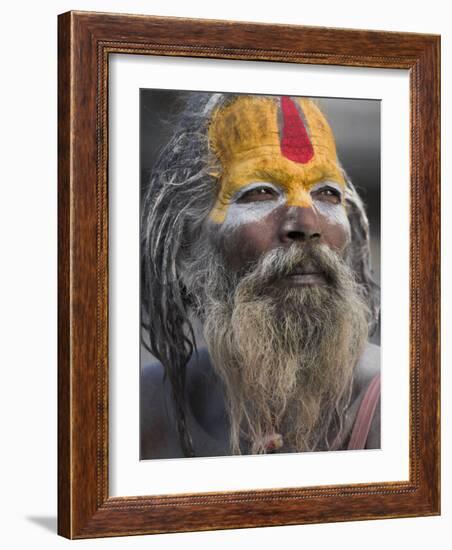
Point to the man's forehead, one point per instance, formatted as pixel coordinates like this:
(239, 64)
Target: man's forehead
(283, 140)
(266, 166)
(294, 126)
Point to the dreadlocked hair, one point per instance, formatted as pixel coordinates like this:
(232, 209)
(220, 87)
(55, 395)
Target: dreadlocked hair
(177, 199)
(180, 193)
(360, 259)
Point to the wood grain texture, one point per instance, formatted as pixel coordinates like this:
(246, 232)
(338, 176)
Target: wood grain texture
(64, 295)
(85, 42)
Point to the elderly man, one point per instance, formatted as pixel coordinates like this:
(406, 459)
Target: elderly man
(251, 226)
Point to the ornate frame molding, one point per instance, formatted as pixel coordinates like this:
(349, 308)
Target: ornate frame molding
(85, 42)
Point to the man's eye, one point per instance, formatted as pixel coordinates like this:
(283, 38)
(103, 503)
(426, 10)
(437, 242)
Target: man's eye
(258, 194)
(328, 194)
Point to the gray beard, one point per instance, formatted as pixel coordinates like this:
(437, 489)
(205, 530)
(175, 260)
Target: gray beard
(285, 355)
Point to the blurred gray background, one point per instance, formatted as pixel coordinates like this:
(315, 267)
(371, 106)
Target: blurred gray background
(356, 126)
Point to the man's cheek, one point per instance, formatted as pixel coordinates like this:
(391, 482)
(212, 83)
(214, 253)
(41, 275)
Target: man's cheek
(243, 242)
(336, 226)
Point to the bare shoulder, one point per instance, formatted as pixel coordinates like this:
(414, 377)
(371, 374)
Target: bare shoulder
(367, 368)
(158, 433)
(205, 414)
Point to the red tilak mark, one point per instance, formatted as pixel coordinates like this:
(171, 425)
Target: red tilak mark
(295, 142)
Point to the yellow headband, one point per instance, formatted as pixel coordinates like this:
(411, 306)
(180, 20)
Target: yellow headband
(284, 141)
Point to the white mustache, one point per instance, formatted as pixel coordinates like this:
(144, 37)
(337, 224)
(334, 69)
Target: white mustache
(281, 262)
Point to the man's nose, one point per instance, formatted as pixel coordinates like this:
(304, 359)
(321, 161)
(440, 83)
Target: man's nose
(301, 224)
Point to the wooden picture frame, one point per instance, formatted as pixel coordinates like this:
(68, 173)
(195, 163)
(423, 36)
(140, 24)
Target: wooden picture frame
(85, 42)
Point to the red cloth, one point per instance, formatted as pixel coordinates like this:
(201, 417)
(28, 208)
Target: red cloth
(365, 415)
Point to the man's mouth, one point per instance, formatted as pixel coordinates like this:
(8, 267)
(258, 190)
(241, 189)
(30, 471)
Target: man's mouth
(305, 275)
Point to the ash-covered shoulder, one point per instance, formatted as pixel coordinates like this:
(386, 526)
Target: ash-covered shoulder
(153, 380)
(158, 433)
(158, 421)
(368, 366)
(152, 375)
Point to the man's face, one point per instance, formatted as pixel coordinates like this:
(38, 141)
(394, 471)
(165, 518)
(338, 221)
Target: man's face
(281, 183)
(283, 318)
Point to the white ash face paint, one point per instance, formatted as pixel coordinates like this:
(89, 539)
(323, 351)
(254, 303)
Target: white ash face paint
(335, 213)
(239, 214)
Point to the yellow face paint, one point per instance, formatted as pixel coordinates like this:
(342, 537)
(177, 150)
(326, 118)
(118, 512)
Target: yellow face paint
(257, 139)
